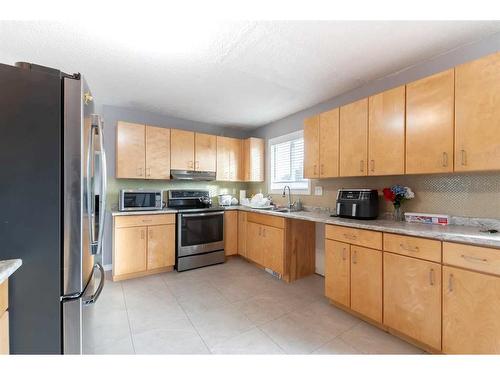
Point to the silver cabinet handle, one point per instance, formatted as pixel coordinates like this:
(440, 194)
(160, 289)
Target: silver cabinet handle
(463, 155)
(94, 297)
(315, 173)
(150, 233)
(409, 248)
(264, 232)
(260, 230)
(450, 283)
(344, 253)
(322, 169)
(148, 172)
(445, 159)
(354, 257)
(139, 171)
(474, 259)
(142, 234)
(350, 236)
(190, 164)
(361, 166)
(197, 165)
(431, 277)
(372, 165)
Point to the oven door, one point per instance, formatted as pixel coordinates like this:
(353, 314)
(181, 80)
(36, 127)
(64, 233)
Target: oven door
(200, 233)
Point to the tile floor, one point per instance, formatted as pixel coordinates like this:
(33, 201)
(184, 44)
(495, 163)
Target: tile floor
(233, 308)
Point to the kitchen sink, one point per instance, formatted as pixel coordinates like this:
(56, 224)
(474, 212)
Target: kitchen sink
(284, 209)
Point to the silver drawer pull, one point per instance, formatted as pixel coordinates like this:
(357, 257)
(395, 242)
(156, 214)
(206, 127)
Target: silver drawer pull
(409, 248)
(350, 236)
(474, 259)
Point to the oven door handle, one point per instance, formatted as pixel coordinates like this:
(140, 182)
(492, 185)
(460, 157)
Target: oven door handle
(203, 214)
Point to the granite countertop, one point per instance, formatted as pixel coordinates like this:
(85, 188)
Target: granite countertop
(151, 212)
(8, 267)
(467, 234)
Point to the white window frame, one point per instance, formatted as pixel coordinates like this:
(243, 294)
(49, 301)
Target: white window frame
(281, 139)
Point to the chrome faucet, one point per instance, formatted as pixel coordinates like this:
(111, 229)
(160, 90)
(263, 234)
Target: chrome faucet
(290, 205)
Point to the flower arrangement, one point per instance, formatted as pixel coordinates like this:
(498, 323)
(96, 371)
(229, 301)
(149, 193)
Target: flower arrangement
(397, 194)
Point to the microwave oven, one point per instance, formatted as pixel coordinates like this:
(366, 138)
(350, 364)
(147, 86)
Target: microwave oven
(140, 200)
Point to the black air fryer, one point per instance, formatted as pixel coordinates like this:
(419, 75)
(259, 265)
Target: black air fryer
(357, 203)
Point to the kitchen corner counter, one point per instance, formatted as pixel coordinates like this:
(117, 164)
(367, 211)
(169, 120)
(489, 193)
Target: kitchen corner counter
(151, 212)
(8, 267)
(455, 233)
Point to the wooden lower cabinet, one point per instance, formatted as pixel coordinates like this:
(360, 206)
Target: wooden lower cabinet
(255, 247)
(471, 312)
(337, 272)
(242, 233)
(412, 298)
(139, 250)
(366, 282)
(130, 250)
(161, 248)
(274, 248)
(231, 232)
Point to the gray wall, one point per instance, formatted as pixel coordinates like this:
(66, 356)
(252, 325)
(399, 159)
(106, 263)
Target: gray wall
(445, 61)
(111, 116)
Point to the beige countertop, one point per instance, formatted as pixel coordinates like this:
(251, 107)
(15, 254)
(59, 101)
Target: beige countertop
(8, 267)
(468, 234)
(456, 233)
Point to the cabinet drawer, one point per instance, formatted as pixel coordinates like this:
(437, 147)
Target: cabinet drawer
(361, 237)
(4, 296)
(472, 257)
(141, 220)
(273, 221)
(416, 247)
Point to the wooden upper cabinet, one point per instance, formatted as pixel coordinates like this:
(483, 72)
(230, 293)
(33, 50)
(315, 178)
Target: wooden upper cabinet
(329, 143)
(253, 159)
(182, 150)
(386, 141)
(354, 138)
(311, 147)
(157, 153)
(229, 165)
(412, 298)
(429, 124)
(130, 150)
(337, 272)
(366, 282)
(477, 114)
(223, 168)
(471, 311)
(205, 152)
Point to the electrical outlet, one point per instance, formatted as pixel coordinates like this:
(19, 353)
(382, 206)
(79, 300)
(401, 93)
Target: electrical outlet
(318, 190)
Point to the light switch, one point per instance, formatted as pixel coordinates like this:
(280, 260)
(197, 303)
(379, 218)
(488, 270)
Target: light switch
(318, 190)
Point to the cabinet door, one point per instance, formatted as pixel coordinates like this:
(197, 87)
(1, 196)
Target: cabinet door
(235, 170)
(182, 149)
(129, 250)
(471, 311)
(311, 147)
(205, 152)
(223, 165)
(242, 233)
(329, 143)
(386, 141)
(130, 150)
(366, 282)
(412, 298)
(337, 272)
(274, 248)
(354, 138)
(477, 114)
(231, 232)
(161, 246)
(157, 153)
(429, 124)
(253, 159)
(4, 333)
(255, 250)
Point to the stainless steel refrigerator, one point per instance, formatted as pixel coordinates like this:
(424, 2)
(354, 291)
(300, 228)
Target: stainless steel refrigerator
(52, 205)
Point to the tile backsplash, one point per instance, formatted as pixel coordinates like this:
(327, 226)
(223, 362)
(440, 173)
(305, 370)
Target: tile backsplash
(473, 195)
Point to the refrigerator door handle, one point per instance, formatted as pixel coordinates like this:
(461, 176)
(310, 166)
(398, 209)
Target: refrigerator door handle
(94, 297)
(90, 191)
(104, 188)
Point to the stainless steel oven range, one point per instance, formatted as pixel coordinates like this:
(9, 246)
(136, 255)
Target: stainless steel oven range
(200, 229)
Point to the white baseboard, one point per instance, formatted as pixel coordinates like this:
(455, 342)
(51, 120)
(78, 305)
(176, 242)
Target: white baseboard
(107, 267)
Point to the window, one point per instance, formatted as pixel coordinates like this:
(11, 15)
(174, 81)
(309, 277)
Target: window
(287, 163)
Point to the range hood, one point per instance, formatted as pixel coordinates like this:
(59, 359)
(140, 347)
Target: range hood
(178, 174)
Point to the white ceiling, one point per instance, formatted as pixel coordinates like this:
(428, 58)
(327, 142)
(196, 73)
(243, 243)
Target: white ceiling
(231, 73)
